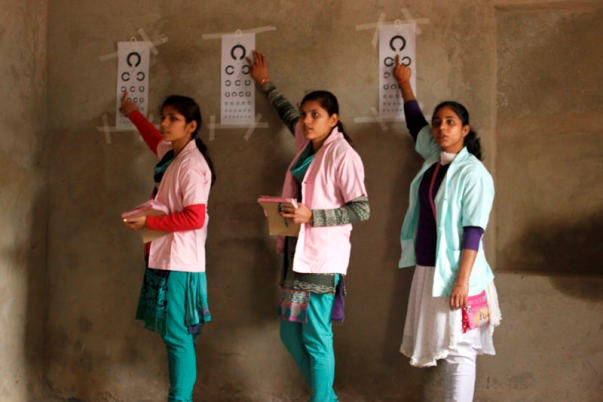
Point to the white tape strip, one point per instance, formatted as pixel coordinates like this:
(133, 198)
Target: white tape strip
(408, 18)
(154, 45)
(212, 127)
(375, 118)
(257, 30)
(106, 129)
(252, 128)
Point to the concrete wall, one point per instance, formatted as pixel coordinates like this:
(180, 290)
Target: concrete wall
(504, 60)
(23, 198)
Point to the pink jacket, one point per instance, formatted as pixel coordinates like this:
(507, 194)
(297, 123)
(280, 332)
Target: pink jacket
(335, 177)
(186, 182)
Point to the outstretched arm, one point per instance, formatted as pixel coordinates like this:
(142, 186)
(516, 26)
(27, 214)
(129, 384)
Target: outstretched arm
(147, 130)
(259, 72)
(415, 120)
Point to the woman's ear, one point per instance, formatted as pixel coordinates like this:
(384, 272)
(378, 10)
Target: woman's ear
(466, 129)
(192, 126)
(333, 119)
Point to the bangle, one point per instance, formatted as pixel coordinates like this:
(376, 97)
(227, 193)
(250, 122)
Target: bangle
(264, 81)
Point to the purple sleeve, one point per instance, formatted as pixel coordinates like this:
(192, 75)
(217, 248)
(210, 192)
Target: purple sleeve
(471, 237)
(415, 120)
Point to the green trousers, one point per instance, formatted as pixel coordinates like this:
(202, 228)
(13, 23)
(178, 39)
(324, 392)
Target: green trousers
(180, 344)
(311, 346)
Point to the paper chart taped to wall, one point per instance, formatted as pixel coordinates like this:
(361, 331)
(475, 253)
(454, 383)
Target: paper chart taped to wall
(394, 39)
(133, 60)
(238, 88)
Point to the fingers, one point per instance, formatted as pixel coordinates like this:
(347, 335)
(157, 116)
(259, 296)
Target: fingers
(258, 58)
(128, 224)
(457, 301)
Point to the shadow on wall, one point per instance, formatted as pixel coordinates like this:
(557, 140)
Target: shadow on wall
(571, 253)
(34, 255)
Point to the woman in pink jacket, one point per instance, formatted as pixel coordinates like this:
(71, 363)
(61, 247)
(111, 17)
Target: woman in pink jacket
(173, 299)
(327, 178)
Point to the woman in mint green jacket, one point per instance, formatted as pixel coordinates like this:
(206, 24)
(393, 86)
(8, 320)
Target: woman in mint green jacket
(450, 202)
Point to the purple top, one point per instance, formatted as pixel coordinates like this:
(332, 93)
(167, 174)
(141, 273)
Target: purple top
(425, 246)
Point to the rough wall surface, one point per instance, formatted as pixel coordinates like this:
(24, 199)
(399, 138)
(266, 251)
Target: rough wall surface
(22, 197)
(549, 347)
(550, 114)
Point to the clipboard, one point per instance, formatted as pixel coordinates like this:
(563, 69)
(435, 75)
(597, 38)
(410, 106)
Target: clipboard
(277, 225)
(148, 208)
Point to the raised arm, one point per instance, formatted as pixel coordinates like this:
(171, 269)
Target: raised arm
(415, 120)
(259, 72)
(150, 134)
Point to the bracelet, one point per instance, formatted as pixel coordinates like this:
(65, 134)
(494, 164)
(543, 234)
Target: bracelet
(264, 81)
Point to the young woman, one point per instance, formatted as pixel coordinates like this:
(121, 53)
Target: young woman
(173, 299)
(327, 178)
(450, 202)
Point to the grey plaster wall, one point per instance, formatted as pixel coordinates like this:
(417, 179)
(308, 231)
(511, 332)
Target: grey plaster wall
(81, 293)
(23, 199)
(550, 111)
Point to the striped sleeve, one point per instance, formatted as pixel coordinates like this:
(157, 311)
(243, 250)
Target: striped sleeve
(356, 210)
(286, 111)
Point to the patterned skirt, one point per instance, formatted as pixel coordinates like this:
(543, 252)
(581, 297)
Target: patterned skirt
(152, 304)
(296, 289)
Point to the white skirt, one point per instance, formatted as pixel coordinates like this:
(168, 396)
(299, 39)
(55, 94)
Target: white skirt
(432, 329)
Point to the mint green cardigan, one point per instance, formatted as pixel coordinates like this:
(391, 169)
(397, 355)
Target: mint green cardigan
(464, 199)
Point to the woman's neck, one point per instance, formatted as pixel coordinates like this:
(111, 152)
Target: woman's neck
(178, 146)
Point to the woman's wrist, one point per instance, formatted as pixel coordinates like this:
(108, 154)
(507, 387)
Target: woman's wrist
(263, 81)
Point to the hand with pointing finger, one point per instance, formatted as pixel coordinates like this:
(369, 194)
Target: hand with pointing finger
(259, 68)
(127, 106)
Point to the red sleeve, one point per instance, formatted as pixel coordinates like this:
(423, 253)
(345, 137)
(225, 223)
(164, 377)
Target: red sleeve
(192, 217)
(147, 130)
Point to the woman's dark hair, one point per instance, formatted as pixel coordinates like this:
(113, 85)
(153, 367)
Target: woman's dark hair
(471, 140)
(190, 110)
(328, 102)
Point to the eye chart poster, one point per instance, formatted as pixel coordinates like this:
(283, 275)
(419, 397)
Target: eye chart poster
(395, 39)
(238, 90)
(133, 59)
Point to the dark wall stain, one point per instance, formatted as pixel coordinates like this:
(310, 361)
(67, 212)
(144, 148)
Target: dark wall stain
(570, 254)
(569, 248)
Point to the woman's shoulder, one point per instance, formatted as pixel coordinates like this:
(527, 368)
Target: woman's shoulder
(471, 168)
(193, 159)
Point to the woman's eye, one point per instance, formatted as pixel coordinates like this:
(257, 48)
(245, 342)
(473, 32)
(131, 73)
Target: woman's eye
(314, 114)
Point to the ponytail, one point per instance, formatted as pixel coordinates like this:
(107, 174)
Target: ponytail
(345, 135)
(205, 152)
(473, 144)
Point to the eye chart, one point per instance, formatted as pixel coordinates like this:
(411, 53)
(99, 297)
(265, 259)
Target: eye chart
(238, 89)
(396, 39)
(133, 59)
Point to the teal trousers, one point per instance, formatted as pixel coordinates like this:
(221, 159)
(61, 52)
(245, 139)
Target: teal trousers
(182, 360)
(311, 346)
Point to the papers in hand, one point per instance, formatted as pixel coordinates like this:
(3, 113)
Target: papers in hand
(149, 208)
(277, 225)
